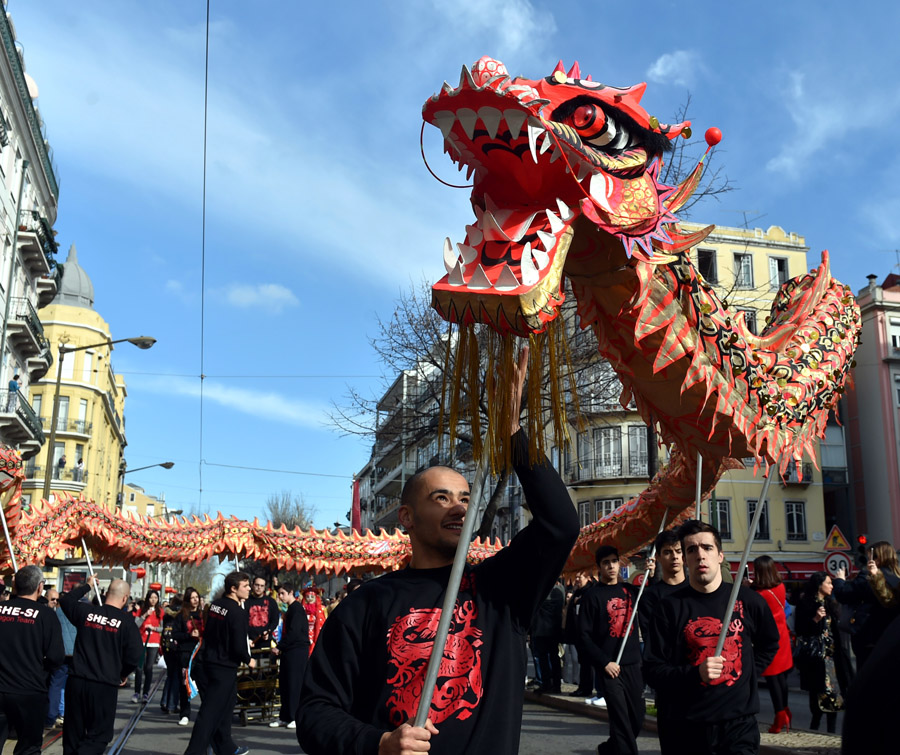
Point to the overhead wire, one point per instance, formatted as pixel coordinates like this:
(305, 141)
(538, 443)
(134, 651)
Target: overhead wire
(203, 247)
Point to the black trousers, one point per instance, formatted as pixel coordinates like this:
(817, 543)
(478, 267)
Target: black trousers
(290, 680)
(145, 672)
(90, 716)
(213, 724)
(546, 653)
(625, 705)
(26, 713)
(778, 690)
(737, 736)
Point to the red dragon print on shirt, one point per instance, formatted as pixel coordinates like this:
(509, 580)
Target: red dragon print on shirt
(259, 615)
(618, 610)
(459, 684)
(701, 636)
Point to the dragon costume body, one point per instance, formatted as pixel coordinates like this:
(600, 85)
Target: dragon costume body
(565, 184)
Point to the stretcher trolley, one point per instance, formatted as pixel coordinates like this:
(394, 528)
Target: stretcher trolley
(257, 689)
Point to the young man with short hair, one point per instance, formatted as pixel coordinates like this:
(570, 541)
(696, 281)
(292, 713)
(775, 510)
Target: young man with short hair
(365, 676)
(293, 650)
(666, 573)
(224, 647)
(707, 703)
(603, 618)
(262, 613)
(31, 639)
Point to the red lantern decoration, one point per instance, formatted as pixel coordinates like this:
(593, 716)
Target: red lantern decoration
(140, 572)
(156, 586)
(170, 590)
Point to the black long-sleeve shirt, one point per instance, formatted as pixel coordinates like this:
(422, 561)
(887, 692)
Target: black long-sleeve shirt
(225, 634)
(31, 642)
(108, 644)
(365, 675)
(262, 616)
(181, 633)
(295, 630)
(654, 592)
(602, 619)
(684, 632)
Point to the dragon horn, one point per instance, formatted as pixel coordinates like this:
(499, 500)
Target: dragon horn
(574, 71)
(560, 68)
(685, 189)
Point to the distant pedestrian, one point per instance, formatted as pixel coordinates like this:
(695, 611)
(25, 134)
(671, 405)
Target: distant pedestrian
(187, 631)
(107, 650)
(79, 470)
(293, 650)
(150, 623)
(60, 466)
(32, 644)
(13, 398)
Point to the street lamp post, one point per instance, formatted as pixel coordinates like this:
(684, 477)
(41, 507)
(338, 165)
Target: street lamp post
(142, 342)
(122, 472)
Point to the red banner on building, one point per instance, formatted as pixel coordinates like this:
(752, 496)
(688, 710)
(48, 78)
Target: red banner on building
(354, 511)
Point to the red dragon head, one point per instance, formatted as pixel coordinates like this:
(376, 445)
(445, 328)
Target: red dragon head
(544, 155)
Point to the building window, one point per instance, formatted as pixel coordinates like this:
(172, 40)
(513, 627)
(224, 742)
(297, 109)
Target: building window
(795, 511)
(131, 496)
(894, 326)
(778, 272)
(606, 506)
(743, 271)
(585, 513)
(637, 450)
(720, 516)
(706, 265)
(608, 451)
(36, 404)
(762, 529)
(750, 319)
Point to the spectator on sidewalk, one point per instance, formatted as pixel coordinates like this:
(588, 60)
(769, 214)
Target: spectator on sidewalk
(546, 633)
(293, 651)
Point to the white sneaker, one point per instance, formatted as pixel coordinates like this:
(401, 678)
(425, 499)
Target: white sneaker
(590, 700)
(276, 723)
(184, 721)
(600, 702)
(292, 725)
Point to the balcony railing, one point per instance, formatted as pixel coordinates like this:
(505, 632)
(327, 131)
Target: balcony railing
(13, 402)
(792, 478)
(25, 311)
(637, 465)
(590, 469)
(66, 425)
(66, 474)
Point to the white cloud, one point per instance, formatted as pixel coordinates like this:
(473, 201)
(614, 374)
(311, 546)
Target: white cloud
(681, 67)
(269, 297)
(254, 402)
(176, 289)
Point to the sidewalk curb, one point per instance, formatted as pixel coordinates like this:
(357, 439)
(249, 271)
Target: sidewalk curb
(799, 742)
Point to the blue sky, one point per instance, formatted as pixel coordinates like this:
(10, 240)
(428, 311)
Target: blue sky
(320, 212)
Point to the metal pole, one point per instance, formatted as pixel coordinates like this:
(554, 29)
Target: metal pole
(51, 441)
(12, 262)
(456, 572)
(87, 557)
(634, 610)
(751, 536)
(697, 514)
(12, 555)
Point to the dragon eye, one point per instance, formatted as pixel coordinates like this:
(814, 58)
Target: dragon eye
(598, 129)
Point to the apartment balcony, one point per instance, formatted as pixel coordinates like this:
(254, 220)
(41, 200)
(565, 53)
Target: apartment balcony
(394, 475)
(590, 469)
(37, 243)
(19, 425)
(791, 477)
(39, 365)
(637, 465)
(71, 478)
(65, 426)
(47, 288)
(25, 329)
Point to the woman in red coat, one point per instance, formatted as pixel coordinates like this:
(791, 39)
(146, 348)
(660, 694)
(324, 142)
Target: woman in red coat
(767, 582)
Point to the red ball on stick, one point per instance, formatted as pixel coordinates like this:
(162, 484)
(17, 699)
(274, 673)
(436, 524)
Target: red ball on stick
(713, 136)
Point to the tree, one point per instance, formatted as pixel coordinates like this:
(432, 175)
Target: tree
(199, 576)
(414, 342)
(288, 509)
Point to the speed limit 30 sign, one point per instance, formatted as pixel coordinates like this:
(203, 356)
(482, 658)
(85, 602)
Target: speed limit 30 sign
(835, 561)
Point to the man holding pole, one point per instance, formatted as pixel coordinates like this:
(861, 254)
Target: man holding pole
(603, 624)
(366, 675)
(107, 649)
(708, 702)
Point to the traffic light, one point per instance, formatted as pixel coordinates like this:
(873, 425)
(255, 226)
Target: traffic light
(862, 555)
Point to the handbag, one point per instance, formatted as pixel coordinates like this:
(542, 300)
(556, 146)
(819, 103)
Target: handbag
(809, 650)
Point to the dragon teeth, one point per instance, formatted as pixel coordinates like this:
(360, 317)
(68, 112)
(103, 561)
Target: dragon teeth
(556, 154)
(474, 234)
(466, 80)
(444, 120)
(600, 188)
(450, 257)
(541, 258)
(530, 274)
(456, 276)
(491, 118)
(514, 119)
(507, 280)
(556, 225)
(492, 229)
(547, 143)
(467, 118)
(583, 170)
(533, 132)
(479, 280)
(547, 239)
(564, 212)
(468, 253)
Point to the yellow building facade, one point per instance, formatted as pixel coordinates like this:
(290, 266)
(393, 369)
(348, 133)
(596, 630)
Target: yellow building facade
(90, 429)
(607, 464)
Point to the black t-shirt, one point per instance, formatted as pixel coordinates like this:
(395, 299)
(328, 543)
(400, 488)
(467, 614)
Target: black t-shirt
(602, 618)
(262, 616)
(295, 630)
(108, 644)
(225, 634)
(653, 593)
(31, 642)
(684, 632)
(368, 666)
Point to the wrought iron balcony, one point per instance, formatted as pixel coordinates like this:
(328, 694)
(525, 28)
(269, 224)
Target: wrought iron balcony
(25, 328)
(791, 477)
(592, 469)
(18, 422)
(67, 474)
